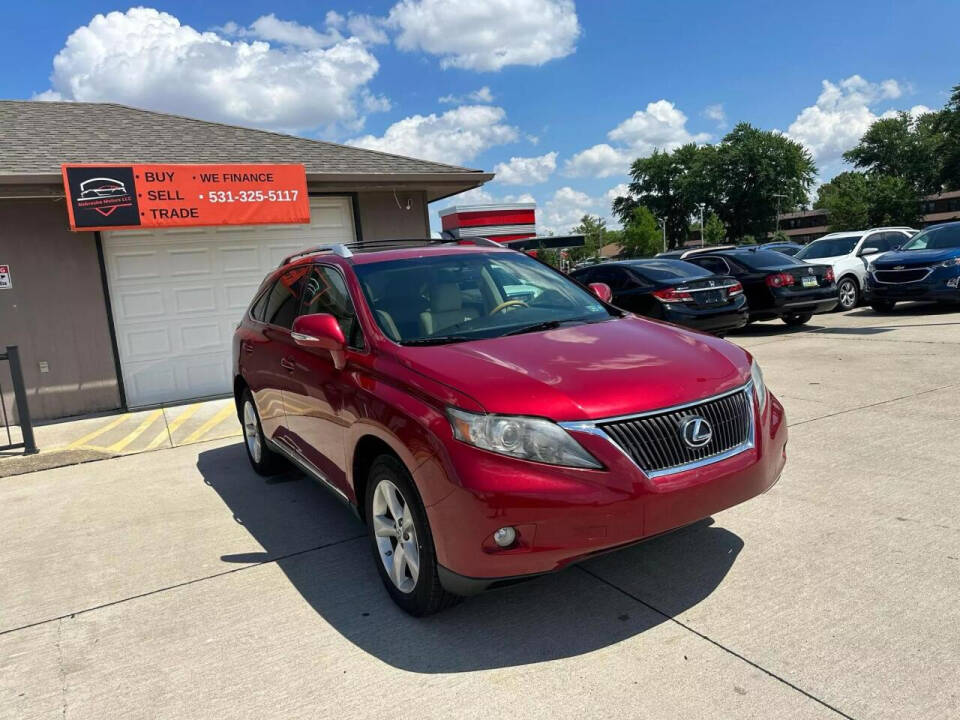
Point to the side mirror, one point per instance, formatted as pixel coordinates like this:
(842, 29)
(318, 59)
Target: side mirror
(602, 291)
(321, 332)
(869, 250)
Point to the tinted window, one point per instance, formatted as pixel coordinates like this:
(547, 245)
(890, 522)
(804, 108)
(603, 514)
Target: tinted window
(829, 247)
(715, 265)
(326, 292)
(765, 260)
(256, 312)
(284, 300)
(938, 237)
(615, 277)
(670, 270)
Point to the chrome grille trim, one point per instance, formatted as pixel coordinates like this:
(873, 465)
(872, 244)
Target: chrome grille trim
(660, 452)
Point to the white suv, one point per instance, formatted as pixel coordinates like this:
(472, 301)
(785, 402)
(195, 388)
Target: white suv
(849, 253)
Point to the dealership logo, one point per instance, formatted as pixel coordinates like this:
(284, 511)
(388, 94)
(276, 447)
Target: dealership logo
(103, 196)
(696, 432)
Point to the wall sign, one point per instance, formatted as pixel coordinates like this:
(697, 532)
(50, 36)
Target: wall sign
(109, 197)
(6, 281)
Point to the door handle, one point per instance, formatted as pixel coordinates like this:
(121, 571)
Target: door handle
(287, 364)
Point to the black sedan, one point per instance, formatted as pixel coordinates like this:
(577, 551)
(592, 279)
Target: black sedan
(776, 286)
(672, 290)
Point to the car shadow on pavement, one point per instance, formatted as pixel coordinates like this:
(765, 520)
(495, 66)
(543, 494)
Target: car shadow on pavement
(560, 615)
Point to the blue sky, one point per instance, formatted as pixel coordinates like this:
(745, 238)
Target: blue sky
(557, 96)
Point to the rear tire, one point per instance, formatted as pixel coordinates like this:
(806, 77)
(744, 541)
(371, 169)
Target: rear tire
(264, 460)
(797, 319)
(883, 306)
(849, 293)
(401, 541)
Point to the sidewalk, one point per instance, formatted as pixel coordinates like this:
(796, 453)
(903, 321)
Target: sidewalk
(105, 436)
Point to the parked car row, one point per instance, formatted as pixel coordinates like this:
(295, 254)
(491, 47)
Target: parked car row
(718, 289)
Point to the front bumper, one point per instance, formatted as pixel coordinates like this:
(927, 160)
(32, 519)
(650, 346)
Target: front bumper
(934, 287)
(564, 515)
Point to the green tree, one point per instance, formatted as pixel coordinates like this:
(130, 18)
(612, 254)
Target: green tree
(667, 184)
(641, 234)
(857, 200)
(714, 233)
(751, 169)
(594, 231)
(903, 147)
(947, 125)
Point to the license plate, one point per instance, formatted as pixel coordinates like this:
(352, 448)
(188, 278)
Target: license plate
(711, 297)
(810, 281)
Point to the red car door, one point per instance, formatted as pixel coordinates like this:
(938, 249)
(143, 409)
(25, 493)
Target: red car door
(269, 364)
(319, 398)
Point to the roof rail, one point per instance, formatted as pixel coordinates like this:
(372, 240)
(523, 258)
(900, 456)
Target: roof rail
(697, 251)
(347, 250)
(336, 248)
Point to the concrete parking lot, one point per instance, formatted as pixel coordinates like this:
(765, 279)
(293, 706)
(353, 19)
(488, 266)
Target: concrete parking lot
(176, 583)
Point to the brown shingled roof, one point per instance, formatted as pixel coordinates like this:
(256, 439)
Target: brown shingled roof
(36, 137)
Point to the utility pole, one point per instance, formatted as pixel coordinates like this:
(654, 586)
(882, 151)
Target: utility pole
(663, 226)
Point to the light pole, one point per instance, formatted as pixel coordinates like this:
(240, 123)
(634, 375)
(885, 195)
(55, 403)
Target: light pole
(663, 226)
(703, 238)
(778, 196)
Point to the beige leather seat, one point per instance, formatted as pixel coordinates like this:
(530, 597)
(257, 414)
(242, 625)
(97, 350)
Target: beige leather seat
(446, 309)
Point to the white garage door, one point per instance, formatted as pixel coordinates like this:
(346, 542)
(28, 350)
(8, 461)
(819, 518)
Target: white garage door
(178, 294)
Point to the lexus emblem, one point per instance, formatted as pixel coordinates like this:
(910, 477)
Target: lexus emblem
(696, 431)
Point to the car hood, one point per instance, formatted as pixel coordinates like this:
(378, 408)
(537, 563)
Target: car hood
(915, 257)
(583, 372)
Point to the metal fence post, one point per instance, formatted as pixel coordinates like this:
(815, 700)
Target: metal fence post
(20, 395)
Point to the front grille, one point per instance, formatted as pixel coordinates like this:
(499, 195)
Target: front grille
(902, 276)
(655, 442)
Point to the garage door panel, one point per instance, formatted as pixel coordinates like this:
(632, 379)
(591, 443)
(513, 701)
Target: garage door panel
(177, 296)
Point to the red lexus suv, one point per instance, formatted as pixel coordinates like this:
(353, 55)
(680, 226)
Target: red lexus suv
(489, 418)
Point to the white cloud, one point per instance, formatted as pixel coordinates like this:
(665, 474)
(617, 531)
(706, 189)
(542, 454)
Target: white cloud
(483, 95)
(563, 211)
(367, 28)
(840, 116)
(454, 137)
(521, 198)
(526, 170)
(476, 196)
(287, 32)
(660, 126)
(601, 160)
(621, 190)
(148, 59)
(487, 34)
(717, 114)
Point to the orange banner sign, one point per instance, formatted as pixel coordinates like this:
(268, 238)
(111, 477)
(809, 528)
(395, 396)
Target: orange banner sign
(110, 197)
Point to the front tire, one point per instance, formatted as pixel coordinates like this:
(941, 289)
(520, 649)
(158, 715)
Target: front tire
(401, 541)
(797, 319)
(849, 293)
(264, 460)
(883, 306)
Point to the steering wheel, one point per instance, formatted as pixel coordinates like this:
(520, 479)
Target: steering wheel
(507, 303)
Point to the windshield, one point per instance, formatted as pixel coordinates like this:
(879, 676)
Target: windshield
(829, 247)
(669, 270)
(938, 237)
(452, 298)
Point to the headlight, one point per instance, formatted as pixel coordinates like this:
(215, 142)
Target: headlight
(952, 262)
(756, 375)
(520, 437)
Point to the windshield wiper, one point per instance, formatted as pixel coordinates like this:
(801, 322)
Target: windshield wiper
(439, 340)
(536, 327)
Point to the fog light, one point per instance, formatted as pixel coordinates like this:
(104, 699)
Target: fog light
(505, 536)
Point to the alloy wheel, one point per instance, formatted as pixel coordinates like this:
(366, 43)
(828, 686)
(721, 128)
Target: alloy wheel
(251, 431)
(396, 535)
(848, 295)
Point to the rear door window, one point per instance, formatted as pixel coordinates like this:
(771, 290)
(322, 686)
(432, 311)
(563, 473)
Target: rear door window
(284, 300)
